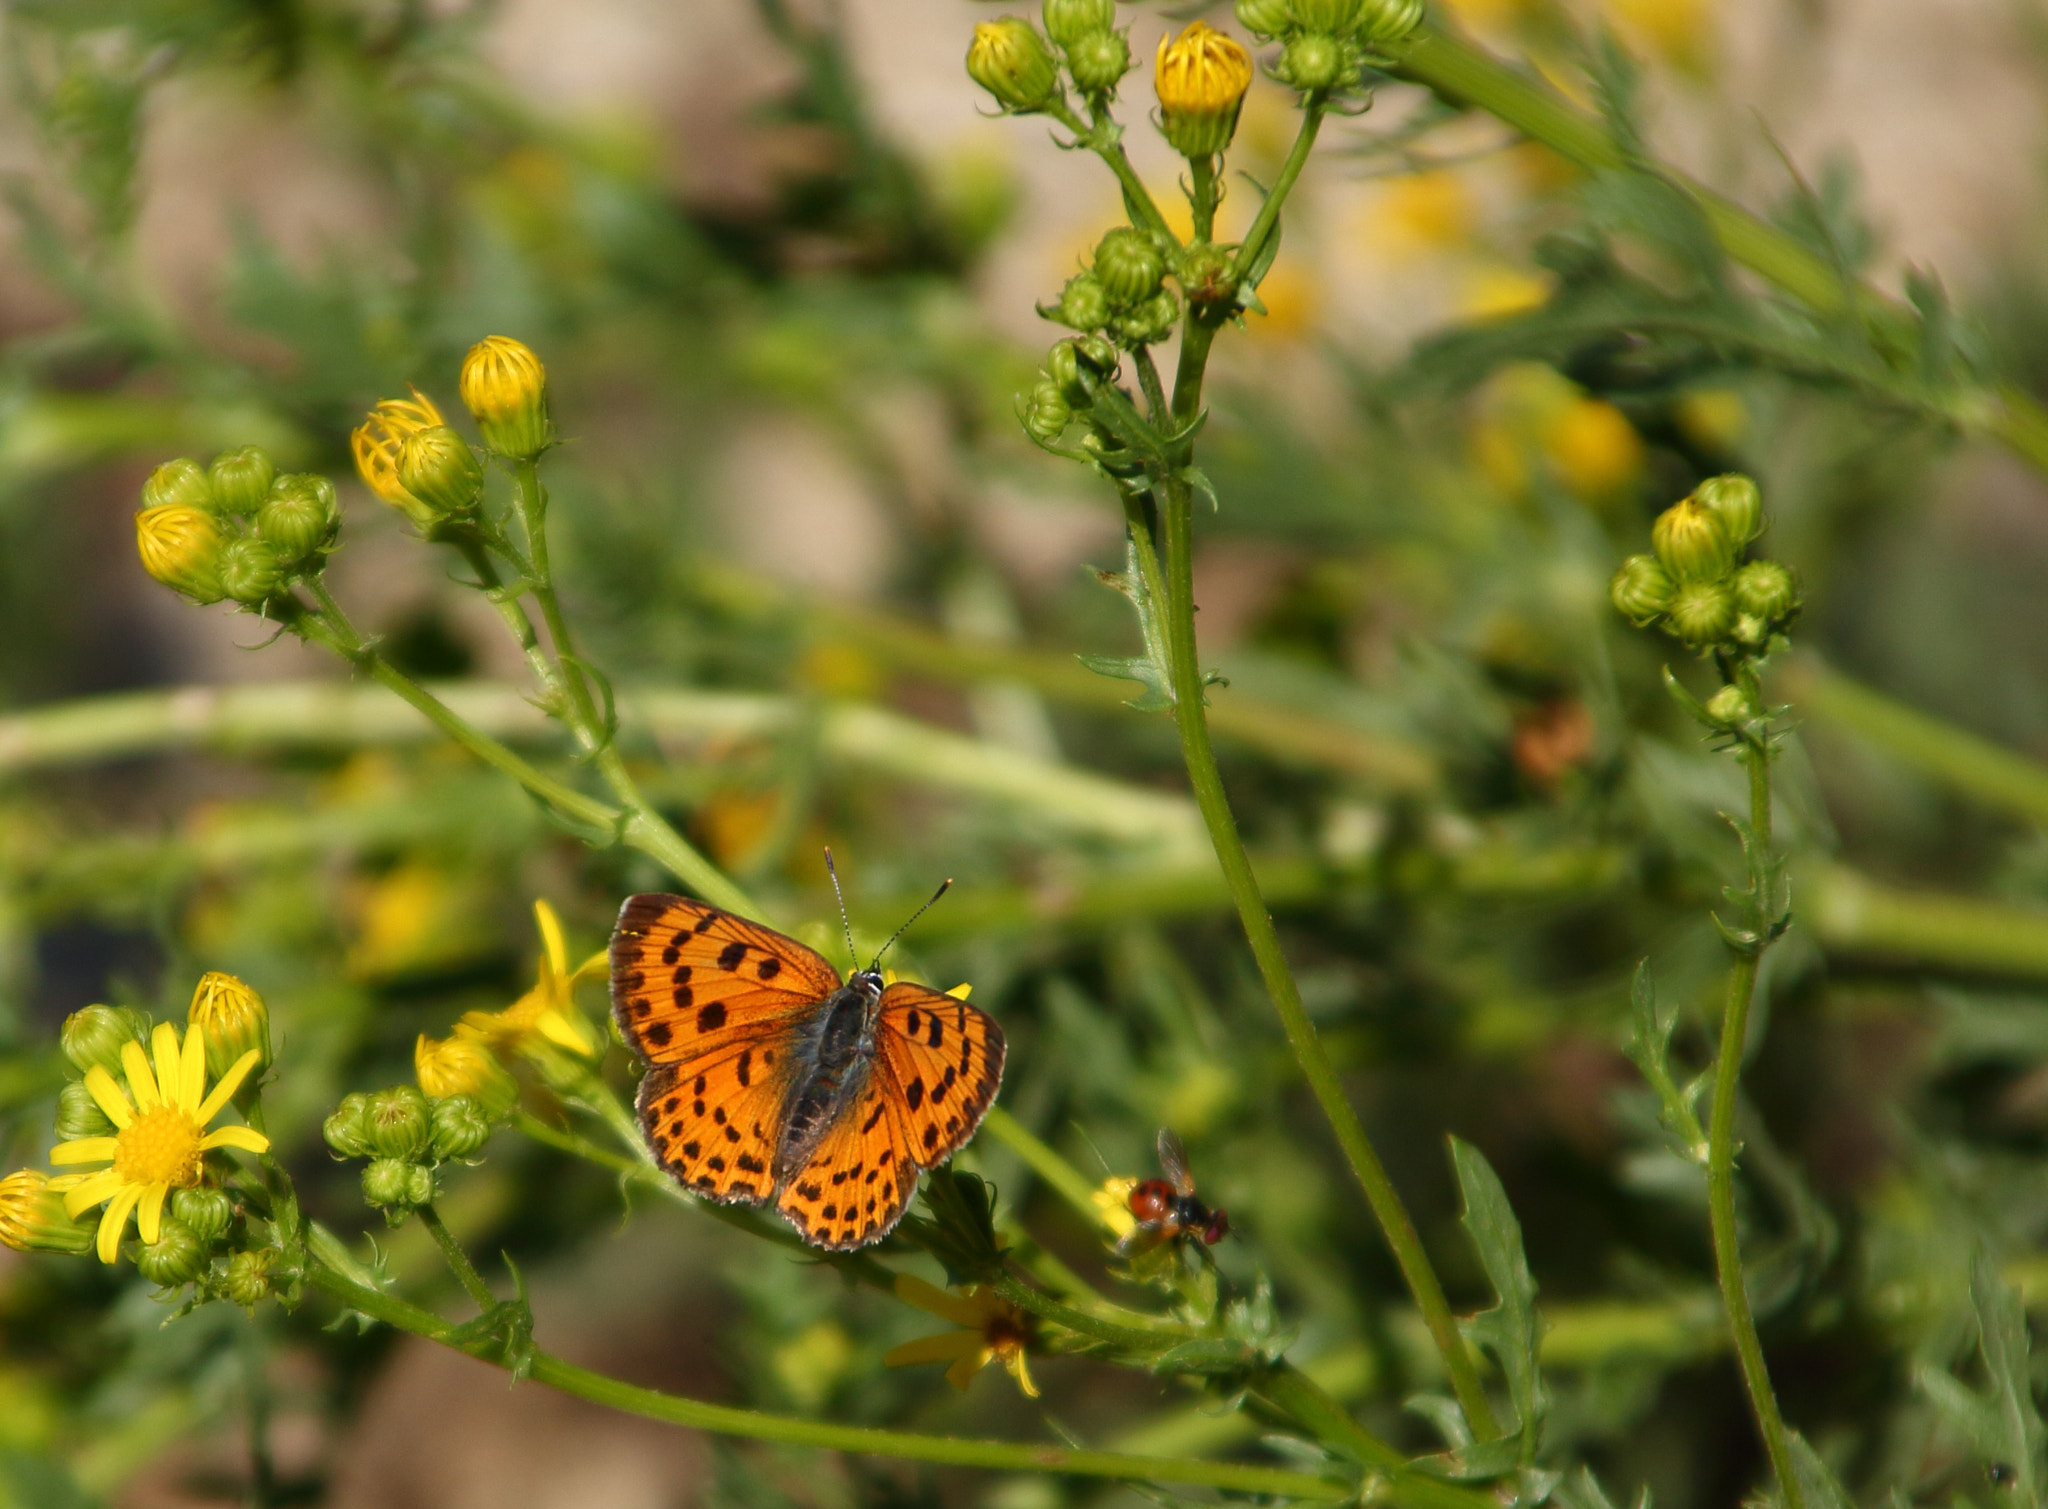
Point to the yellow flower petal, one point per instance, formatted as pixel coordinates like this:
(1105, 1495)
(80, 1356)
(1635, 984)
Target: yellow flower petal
(192, 1070)
(1016, 1363)
(115, 1221)
(86, 1150)
(141, 1082)
(961, 1373)
(555, 950)
(106, 1093)
(936, 1301)
(566, 1029)
(149, 1215)
(947, 1346)
(248, 1139)
(89, 1191)
(229, 1083)
(961, 992)
(596, 967)
(169, 1065)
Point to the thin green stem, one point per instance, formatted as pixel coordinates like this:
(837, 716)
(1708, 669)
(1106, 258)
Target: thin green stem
(1204, 199)
(999, 1456)
(458, 1260)
(1749, 1350)
(1263, 223)
(1067, 1181)
(1104, 137)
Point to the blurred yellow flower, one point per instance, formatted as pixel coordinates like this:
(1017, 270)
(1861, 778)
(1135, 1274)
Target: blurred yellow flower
(992, 1330)
(1593, 447)
(1713, 417)
(1680, 32)
(1112, 1204)
(160, 1139)
(463, 1065)
(547, 1013)
(1424, 212)
(377, 442)
(1497, 291)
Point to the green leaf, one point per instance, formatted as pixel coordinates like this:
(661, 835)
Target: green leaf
(1149, 669)
(1650, 1048)
(1999, 1422)
(1512, 1330)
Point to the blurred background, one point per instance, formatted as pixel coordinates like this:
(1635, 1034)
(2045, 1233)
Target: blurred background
(782, 263)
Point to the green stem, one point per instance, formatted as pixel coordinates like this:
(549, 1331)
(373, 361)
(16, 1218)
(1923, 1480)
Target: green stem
(1268, 217)
(1749, 1350)
(1104, 137)
(458, 1260)
(1203, 200)
(999, 1456)
(1067, 1181)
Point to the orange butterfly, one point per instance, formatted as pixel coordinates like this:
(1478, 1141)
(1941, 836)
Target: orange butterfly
(768, 1079)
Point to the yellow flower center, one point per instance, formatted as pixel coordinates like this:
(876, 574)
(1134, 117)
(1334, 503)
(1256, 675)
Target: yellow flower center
(160, 1146)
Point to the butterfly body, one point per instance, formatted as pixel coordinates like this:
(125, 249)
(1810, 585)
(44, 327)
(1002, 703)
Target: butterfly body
(771, 1080)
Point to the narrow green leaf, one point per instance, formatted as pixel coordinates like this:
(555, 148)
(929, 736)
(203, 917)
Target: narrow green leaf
(1512, 1330)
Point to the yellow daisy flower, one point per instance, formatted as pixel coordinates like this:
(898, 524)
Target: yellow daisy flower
(547, 1013)
(992, 1330)
(160, 1138)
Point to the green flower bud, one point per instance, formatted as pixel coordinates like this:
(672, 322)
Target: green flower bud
(1152, 321)
(1768, 590)
(1701, 613)
(1333, 18)
(177, 1256)
(1084, 303)
(1265, 18)
(346, 1131)
(1730, 707)
(1099, 63)
(181, 483)
(250, 571)
(241, 479)
(247, 1280)
(33, 1218)
(1691, 543)
(419, 1184)
(1063, 369)
(1640, 590)
(1751, 631)
(300, 518)
(206, 1210)
(1313, 62)
(387, 1182)
(438, 468)
(1204, 273)
(1128, 266)
(1736, 503)
(234, 1019)
(79, 1115)
(95, 1035)
(1010, 60)
(1382, 22)
(1098, 353)
(181, 547)
(1046, 414)
(1071, 22)
(395, 1122)
(460, 1127)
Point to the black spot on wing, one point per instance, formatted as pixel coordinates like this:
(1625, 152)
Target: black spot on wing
(729, 957)
(711, 1018)
(768, 969)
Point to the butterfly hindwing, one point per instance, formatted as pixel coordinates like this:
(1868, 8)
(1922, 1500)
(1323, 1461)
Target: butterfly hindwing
(713, 1123)
(690, 981)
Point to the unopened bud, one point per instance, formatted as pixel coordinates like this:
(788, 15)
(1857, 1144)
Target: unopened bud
(387, 1182)
(247, 1280)
(1063, 369)
(181, 483)
(1201, 77)
(1333, 18)
(1736, 503)
(1265, 18)
(345, 1130)
(1730, 707)
(1769, 590)
(300, 517)
(463, 1066)
(181, 547)
(33, 1218)
(1152, 321)
(1098, 354)
(1046, 413)
(376, 443)
(461, 1126)
(95, 1035)
(1384, 22)
(395, 1122)
(1751, 631)
(1312, 62)
(419, 1184)
(1641, 590)
(1701, 613)
(79, 1115)
(234, 1020)
(1205, 273)
(1010, 60)
(1128, 266)
(1099, 63)
(1070, 22)
(177, 1256)
(250, 571)
(438, 467)
(1084, 303)
(206, 1209)
(506, 388)
(241, 479)
(1691, 543)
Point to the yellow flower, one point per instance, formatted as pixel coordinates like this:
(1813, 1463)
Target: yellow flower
(992, 1330)
(234, 1019)
(547, 1013)
(1112, 1204)
(506, 388)
(463, 1065)
(379, 439)
(33, 1218)
(1201, 77)
(160, 1138)
(180, 546)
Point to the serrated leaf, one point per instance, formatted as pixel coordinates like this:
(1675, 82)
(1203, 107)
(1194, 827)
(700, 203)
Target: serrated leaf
(1149, 669)
(1512, 1330)
(2000, 1422)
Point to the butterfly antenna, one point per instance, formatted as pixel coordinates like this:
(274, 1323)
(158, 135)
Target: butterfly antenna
(852, 958)
(944, 886)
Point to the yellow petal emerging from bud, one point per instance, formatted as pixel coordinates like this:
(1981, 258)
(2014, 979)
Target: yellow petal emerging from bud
(379, 439)
(506, 388)
(234, 1019)
(180, 546)
(464, 1065)
(32, 1215)
(1692, 543)
(1201, 77)
(1010, 60)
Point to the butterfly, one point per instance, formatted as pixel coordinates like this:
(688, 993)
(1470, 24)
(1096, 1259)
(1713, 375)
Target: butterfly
(771, 1080)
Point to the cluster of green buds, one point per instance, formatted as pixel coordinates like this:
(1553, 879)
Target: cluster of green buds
(1326, 43)
(1122, 293)
(1696, 586)
(1066, 388)
(1097, 54)
(406, 1136)
(236, 529)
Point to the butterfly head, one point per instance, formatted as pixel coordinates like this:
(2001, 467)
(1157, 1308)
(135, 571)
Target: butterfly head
(868, 982)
